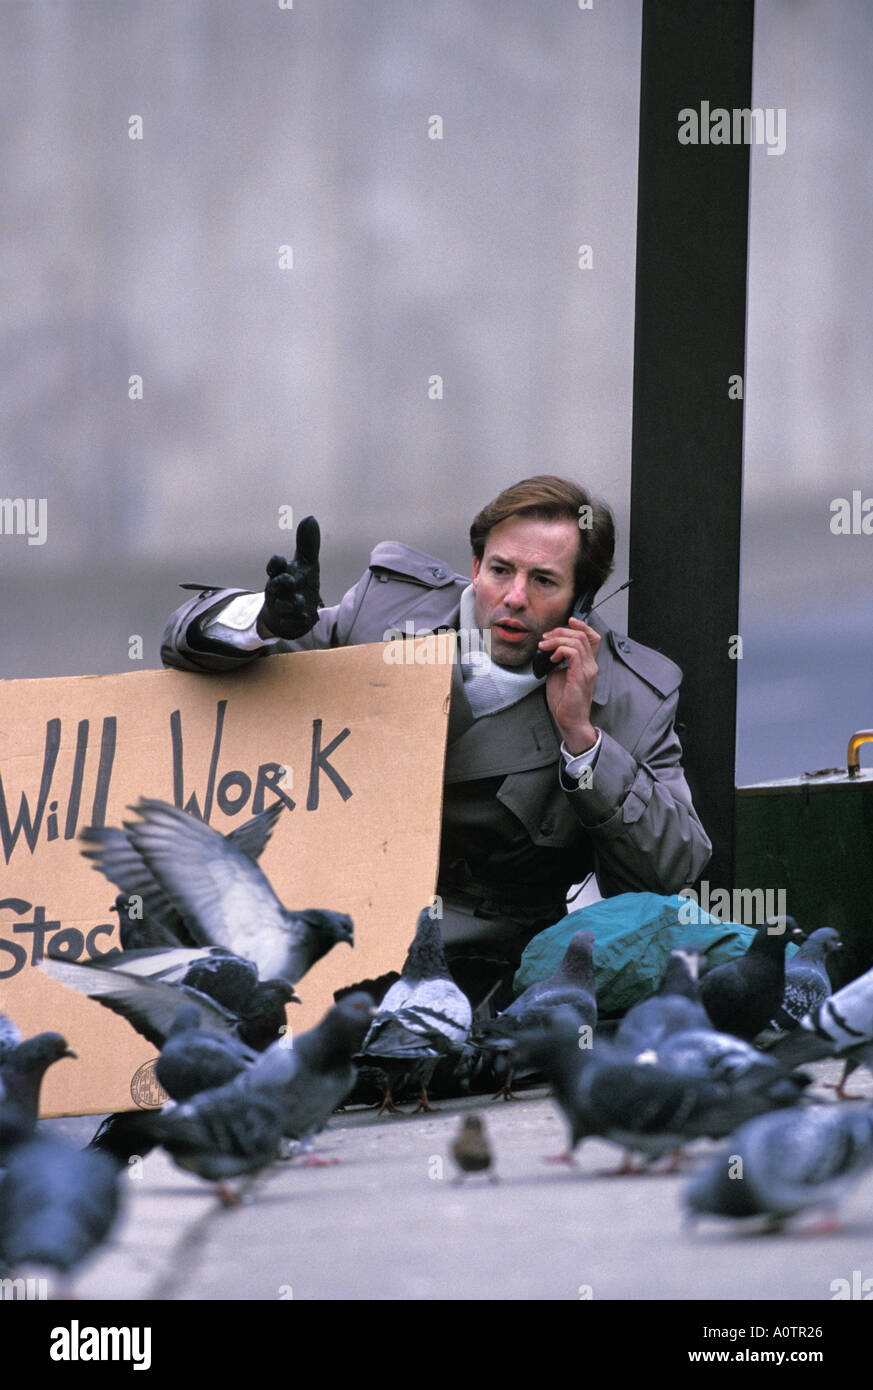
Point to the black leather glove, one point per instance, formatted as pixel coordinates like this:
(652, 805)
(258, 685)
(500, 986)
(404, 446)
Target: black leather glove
(291, 597)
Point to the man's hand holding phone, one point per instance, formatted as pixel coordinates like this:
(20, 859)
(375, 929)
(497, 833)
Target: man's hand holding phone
(570, 687)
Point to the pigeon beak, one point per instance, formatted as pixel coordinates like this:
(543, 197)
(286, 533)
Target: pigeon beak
(70, 1053)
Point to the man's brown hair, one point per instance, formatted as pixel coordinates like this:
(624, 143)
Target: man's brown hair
(548, 498)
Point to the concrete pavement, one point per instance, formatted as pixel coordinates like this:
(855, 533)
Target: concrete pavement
(388, 1222)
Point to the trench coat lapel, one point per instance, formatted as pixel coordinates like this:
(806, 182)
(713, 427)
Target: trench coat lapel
(512, 740)
(521, 737)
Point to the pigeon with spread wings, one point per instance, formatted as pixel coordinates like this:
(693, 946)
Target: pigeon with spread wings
(191, 874)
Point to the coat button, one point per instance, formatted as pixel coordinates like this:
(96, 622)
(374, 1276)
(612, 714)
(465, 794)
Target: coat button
(624, 645)
(382, 578)
(437, 573)
(547, 827)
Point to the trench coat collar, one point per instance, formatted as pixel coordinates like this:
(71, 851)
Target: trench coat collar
(514, 739)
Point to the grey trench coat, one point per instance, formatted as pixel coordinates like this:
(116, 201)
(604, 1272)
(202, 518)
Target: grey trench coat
(517, 831)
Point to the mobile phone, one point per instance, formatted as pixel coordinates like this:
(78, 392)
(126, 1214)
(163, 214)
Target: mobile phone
(542, 662)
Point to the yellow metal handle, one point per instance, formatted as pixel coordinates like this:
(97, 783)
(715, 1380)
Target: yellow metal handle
(853, 759)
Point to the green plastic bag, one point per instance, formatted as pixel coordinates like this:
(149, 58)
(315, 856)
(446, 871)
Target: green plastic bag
(634, 934)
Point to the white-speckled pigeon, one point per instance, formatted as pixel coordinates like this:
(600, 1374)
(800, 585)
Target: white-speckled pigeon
(807, 983)
(423, 1017)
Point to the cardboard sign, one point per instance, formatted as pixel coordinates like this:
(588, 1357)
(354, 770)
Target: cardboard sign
(352, 743)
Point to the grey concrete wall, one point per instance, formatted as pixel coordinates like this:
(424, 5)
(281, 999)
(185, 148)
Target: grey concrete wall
(413, 257)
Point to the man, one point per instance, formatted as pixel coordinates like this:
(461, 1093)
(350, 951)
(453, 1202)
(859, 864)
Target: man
(546, 779)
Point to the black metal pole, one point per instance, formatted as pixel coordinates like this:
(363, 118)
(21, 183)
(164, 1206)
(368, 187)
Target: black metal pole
(689, 362)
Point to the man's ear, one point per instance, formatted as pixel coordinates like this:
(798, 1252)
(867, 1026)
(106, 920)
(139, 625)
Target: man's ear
(475, 570)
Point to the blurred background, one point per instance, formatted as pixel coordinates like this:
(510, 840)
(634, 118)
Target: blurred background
(333, 205)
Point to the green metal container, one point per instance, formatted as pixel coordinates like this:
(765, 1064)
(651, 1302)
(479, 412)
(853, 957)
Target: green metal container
(813, 837)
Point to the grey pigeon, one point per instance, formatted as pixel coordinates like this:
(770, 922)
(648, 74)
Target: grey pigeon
(423, 1017)
(571, 986)
(741, 996)
(319, 1070)
(195, 1059)
(22, 1069)
(238, 1128)
(638, 1103)
(219, 1134)
(784, 1163)
(674, 1008)
(57, 1205)
(152, 919)
(225, 986)
(225, 899)
(841, 1026)
(757, 1080)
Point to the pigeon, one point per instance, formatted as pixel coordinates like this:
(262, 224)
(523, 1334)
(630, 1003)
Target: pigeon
(742, 995)
(780, 1164)
(22, 1069)
(471, 1150)
(229, 980)
(807, 983)
(10, 1036)
(319, 1068)
(423, 1017)
(193, 1059)
(841, 1026)
(758, 1081)
(571, 986)
(236, 1129)
(215, 887)
(674, 1008)
(147, 915)
(226, 1132)
(638, 1103)
(57, 1205)
(150, 1003)
(376, 987)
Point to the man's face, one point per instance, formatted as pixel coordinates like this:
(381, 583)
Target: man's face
(524, 585)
